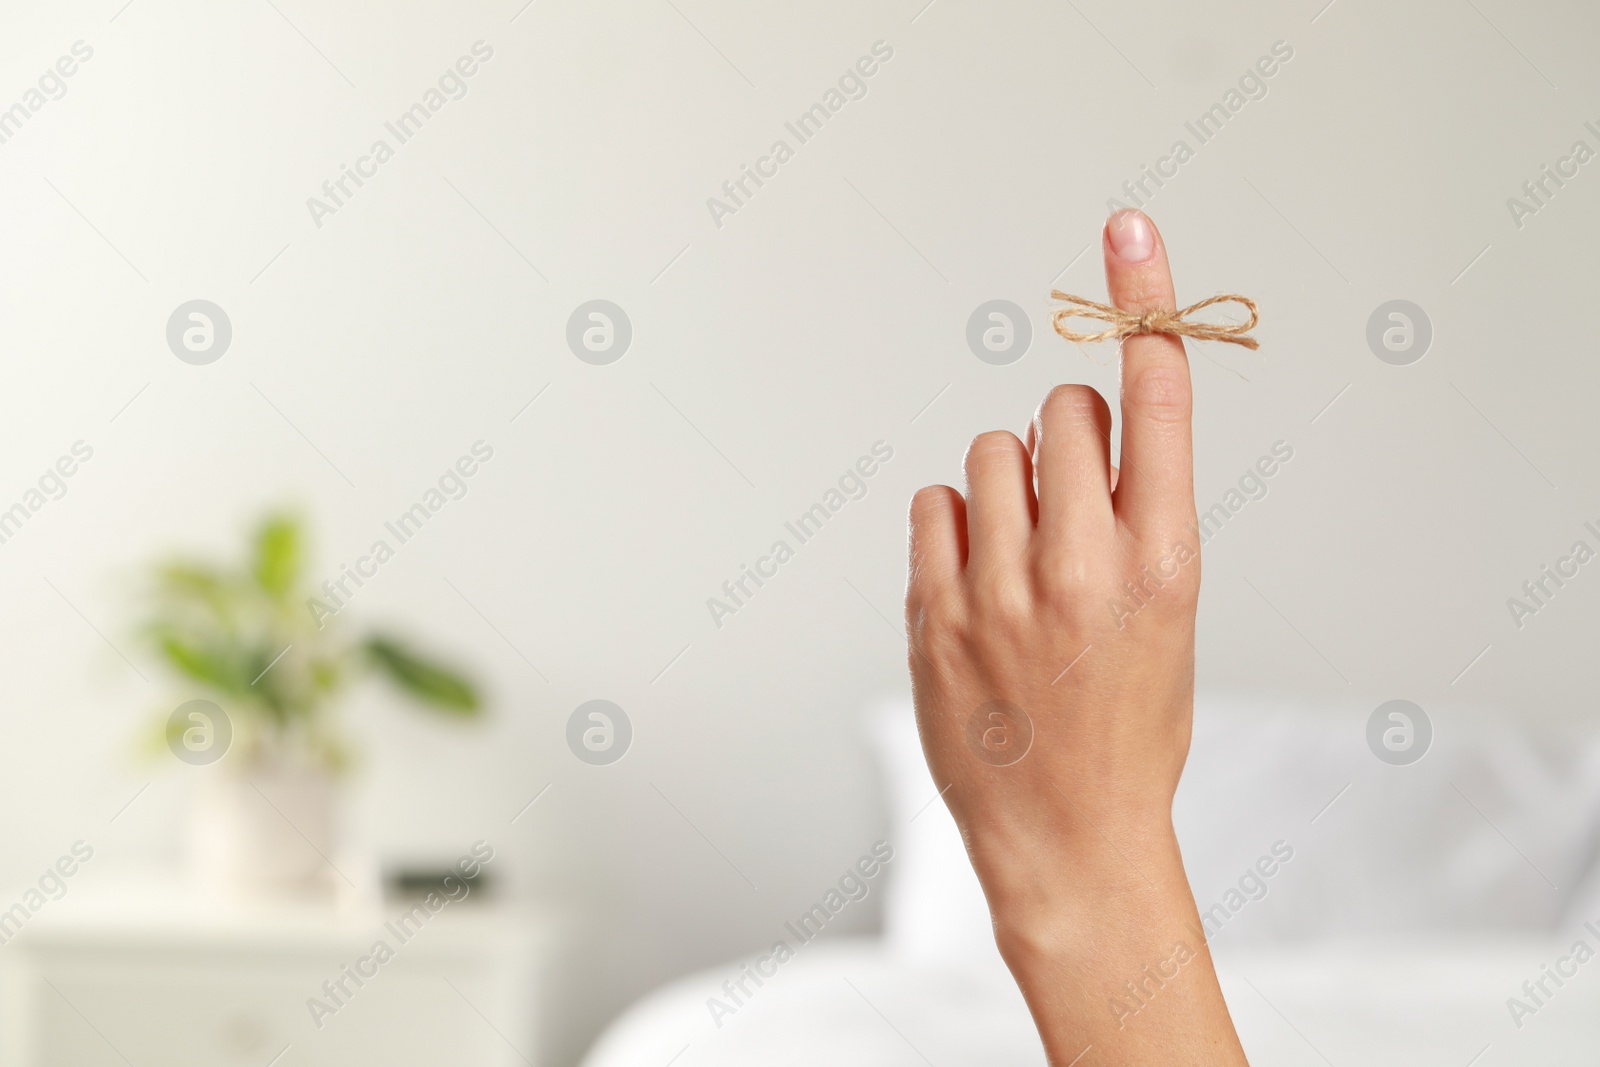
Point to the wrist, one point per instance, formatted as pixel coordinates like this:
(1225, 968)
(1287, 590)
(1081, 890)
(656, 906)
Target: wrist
(1112, 953)
(1098, 891)
(1060, 854)
(1102, 915)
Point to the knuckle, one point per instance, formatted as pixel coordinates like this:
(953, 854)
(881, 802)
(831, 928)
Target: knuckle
(929, 607)
(1144, 291)
(936, 620)
(929, 595)
(1065, 580)
(1004, 603)
(1160, 392)
(1170, 576)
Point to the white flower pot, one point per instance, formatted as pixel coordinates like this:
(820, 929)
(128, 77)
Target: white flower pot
(266, 831)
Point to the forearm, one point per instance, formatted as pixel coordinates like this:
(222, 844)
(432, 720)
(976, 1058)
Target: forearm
(1105, 942)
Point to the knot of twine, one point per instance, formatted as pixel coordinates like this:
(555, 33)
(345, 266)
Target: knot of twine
(1126, 323)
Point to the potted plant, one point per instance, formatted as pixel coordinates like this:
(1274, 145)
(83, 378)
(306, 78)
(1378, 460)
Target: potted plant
(263, 675)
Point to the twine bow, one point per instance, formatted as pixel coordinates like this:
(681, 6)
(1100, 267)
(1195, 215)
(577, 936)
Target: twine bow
(1126, 323)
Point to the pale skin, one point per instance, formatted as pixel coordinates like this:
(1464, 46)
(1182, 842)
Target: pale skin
(1020, 592)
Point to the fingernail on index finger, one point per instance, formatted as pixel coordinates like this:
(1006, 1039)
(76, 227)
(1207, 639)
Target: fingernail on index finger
(1133, 239)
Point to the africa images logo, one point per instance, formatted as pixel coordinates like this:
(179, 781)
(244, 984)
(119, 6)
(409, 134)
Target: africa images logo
(1000, 733)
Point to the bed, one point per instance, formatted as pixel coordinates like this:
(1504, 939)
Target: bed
(1428, 914)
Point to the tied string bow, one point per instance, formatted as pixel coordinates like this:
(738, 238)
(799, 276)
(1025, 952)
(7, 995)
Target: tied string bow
(1126, 323)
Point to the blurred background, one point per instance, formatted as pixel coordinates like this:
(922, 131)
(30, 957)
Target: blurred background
(576, 369)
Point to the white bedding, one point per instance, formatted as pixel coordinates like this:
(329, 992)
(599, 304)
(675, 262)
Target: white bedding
(824, 1008)
(853, 1003)
(1417, 901)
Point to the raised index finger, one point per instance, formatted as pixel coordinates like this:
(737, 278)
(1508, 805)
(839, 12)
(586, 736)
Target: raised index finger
(1155, 494)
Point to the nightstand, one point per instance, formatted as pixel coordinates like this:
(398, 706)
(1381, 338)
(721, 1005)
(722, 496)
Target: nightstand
(151, 976)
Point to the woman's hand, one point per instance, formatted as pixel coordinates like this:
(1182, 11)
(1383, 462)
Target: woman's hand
(1051, 618)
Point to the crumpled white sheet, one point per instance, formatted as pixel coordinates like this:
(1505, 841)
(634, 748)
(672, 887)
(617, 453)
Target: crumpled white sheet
(854, 1004)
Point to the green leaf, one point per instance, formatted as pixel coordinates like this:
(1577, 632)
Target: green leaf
(186, 588)
(429, 682)
(211, 666)
(326, 675)
(178, 578)
(278, 555)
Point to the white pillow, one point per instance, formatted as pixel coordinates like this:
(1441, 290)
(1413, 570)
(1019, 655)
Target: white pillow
(1493, 828)
(1496, 827)
(934, 910)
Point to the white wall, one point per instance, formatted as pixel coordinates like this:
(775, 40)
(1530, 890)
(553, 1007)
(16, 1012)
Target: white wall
(821, 318)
